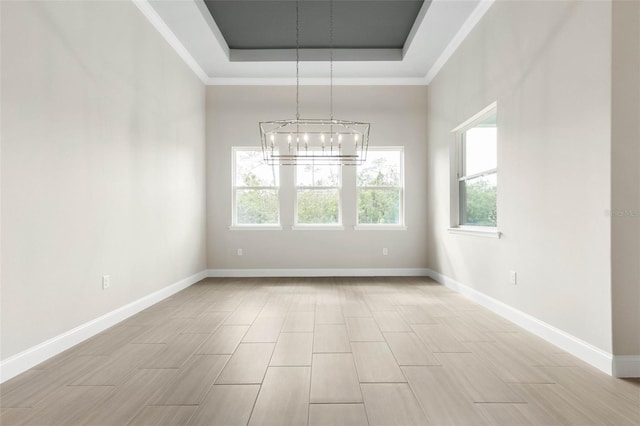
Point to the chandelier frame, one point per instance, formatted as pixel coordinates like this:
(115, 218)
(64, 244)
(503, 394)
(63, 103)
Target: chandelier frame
(310, 141)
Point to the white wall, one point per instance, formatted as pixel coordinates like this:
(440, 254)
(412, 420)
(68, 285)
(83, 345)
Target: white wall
(397, 117)
(102, 165)
(548, 65)
(625, 197)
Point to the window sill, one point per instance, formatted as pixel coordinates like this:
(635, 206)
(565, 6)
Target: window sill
(317, 228)
(476, 232)
(255, 228)
(379, 228)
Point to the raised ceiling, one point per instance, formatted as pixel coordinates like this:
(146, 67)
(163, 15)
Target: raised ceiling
(377, 42)
(362, 24)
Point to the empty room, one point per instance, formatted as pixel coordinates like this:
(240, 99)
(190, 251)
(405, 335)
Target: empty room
(320, 212)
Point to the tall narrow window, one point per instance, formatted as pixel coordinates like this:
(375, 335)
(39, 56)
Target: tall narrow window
(380, 187)
(478, 170)
(255, 189)
(318, 195)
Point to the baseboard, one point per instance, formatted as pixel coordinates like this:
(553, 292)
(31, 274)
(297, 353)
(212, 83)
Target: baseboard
(321, 272)
(626, 366)
(598, 358)
(33, 356)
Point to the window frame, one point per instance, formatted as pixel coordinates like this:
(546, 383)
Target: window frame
(457, 177)
(317, 226)
(234, 189)
(401, 225)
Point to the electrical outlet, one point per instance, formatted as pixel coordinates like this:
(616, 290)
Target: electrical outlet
(239, 252)
(385, 251)
(106, 281)
(513, 277)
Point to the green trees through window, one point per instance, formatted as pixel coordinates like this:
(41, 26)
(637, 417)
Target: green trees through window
(256, 199)
(478, 170)
(318, 195)
(318, 190)
(257, 206)
(379, 183)
(318, 206)
(480, 196)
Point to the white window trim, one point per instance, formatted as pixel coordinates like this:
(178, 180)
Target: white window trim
(476, 231)
(477, 118)
(255, 228)
(456, 227)
(401, 226)
(317, 226)
(235, 226)
(380, 227)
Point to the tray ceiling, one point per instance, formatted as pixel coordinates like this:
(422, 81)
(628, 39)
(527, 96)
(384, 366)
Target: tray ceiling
(375, 42)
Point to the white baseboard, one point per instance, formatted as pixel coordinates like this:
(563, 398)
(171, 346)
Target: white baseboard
(626, 365)
(619, 366)
(33, 356)
(321, 272)
(598, 358)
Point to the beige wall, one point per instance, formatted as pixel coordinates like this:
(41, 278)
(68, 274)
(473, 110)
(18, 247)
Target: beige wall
(625, 197)
(102, 165)
(547, 64)
(397, 117)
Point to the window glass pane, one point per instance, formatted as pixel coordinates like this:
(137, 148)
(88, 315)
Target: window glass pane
(251, 170)
(257, 206)
(379, 206)
(382, 168)
(480, 147)
(318, 206)
(478, 201)
(317, 175)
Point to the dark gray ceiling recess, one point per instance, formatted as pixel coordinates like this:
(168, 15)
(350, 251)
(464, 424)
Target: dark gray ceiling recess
(359, 24)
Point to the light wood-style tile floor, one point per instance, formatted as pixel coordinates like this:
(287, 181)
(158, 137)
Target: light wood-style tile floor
(317, 351)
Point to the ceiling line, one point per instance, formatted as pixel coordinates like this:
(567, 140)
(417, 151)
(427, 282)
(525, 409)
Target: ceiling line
(154, 18)
(468, 25)
(344, 81)
(314, 55)
(158, 23)
(215, 30)
(416, 26)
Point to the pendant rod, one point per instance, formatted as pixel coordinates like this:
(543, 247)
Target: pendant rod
(331, 59)
(297, 61)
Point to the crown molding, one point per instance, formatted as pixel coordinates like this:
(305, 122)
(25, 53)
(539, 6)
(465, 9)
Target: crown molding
(157, 22)
(232, 57)
(470, 23)
(249, 81)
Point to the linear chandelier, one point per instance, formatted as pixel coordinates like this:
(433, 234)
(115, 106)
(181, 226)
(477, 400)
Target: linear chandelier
(309, 141)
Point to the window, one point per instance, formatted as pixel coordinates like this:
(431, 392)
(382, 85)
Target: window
(477, 170)
(255, 189)
(380, 184)
(318, 195)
